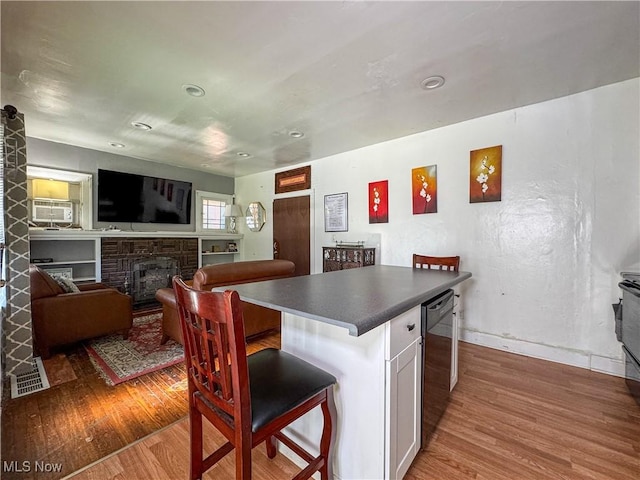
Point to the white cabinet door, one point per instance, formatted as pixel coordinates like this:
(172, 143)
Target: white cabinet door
(403, 409)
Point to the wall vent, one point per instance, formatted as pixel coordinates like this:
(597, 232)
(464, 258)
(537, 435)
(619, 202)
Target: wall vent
(30, 382)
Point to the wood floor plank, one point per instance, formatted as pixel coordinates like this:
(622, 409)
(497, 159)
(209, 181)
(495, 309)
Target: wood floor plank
(510, 418)
(165, 455)
(521, 418)
(81, 421)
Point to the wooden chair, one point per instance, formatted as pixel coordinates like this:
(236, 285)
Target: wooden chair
(248, 399)
(440, 263)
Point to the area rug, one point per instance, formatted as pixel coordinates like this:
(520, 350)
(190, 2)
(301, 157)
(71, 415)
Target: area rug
(118, 360)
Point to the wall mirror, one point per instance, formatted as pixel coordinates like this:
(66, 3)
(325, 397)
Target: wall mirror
(256, 216)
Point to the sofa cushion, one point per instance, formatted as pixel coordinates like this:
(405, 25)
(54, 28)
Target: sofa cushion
(241, 272)
(67, 285)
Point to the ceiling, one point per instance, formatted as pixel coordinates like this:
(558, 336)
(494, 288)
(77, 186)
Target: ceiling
(344, 74)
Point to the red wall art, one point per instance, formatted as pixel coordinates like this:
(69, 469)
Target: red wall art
(379, 202)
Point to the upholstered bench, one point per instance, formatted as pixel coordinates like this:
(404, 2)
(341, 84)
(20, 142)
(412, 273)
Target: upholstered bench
(257, 319)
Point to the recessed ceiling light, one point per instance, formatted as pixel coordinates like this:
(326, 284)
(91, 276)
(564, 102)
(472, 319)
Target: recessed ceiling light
(296, 134)
(117, 145)
(430, 83)
(141, 126)
(244, 154)
(193, 90)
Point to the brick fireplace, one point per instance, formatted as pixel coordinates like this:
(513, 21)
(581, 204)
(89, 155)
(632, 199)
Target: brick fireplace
(150, 262)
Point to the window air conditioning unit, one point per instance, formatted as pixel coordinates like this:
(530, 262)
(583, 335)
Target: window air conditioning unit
(44, 211)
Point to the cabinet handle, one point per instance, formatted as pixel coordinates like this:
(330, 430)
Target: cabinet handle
(411, 327)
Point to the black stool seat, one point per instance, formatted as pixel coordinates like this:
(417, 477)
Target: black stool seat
(279, 382)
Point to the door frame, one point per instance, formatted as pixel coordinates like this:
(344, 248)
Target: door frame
(312, 221)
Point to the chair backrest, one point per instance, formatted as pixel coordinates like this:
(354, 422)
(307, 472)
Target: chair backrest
(440, 263)
(215, 350)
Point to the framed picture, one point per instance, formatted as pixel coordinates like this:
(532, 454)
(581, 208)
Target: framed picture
(379, 202)
(424, 190)
(62, 272)
(336, 215)
(485, 175)
(232, 247)
(293, 180)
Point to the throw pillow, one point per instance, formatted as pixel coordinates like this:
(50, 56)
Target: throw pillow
(67, 285)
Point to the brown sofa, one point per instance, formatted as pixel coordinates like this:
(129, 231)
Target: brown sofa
(258, 320)
(60, 318)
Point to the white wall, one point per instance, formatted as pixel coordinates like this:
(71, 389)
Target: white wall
(546, 259)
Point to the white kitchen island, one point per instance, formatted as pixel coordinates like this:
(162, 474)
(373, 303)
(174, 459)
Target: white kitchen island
(364, 327)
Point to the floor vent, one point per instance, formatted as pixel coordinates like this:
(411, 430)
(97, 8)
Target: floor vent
(30, 382)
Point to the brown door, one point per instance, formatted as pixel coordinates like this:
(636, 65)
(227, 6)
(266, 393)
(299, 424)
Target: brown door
(292, 232)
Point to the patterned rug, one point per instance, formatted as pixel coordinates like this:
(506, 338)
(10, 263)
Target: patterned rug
(118, 360)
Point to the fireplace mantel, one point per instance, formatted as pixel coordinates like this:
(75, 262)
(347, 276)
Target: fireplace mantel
(41, 233)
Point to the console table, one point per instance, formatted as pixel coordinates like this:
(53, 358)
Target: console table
(342, 258)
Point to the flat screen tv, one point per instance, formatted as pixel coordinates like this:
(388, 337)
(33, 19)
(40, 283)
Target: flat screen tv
(127, 197)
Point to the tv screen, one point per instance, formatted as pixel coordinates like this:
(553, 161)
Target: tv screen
(127, 197)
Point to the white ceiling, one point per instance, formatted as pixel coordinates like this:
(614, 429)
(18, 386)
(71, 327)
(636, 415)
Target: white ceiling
(347, 74)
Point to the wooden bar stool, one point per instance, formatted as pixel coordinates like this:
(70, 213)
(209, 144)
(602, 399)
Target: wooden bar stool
(248, 399)
(440, 263)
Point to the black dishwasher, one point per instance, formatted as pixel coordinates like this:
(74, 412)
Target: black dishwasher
(437, 329)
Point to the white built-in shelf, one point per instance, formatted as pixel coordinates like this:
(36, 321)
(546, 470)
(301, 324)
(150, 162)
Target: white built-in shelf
(74, 247)
(69, 262)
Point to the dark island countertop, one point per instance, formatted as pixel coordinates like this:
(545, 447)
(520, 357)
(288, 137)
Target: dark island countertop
(358, 299)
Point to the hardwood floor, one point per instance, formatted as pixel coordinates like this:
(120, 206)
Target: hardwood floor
(510, 417)
(513, 417)
(83, 420)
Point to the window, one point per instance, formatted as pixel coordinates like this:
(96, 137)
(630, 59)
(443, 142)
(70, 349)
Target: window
(211, 210)
(212, 214)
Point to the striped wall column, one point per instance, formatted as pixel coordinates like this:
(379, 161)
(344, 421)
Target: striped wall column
(18, 348)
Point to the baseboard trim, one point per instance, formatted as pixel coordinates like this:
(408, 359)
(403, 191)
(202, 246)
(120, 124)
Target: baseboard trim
(610, 366)
(575, 358)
